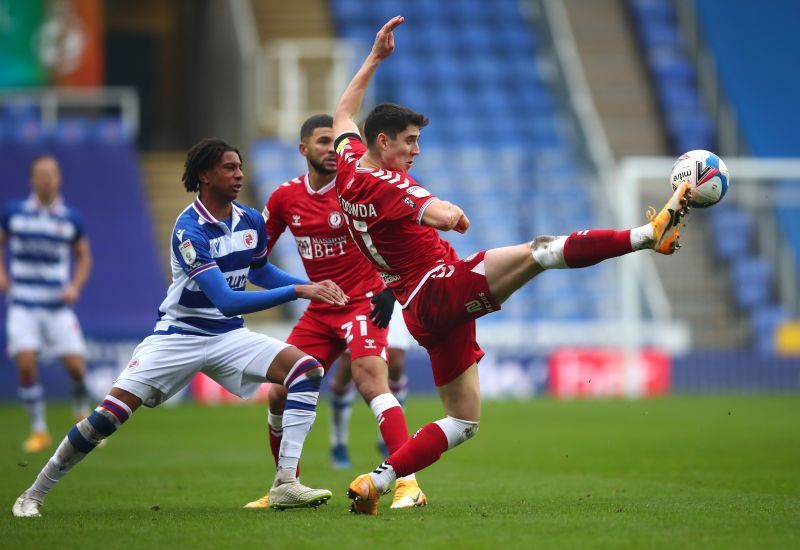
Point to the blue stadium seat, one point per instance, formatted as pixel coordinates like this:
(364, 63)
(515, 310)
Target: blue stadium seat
(110, 130)
(72, 130)
(733, 230)
(752, 280)
(764, 321)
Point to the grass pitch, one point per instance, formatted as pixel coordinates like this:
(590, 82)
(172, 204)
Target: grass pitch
(711, 472)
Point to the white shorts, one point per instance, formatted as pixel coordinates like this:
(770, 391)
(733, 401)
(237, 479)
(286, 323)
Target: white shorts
(163, 364)
(399, 337)
(53, 331)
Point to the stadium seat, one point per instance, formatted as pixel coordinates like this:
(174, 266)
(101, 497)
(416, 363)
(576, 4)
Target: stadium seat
(72, 131)
(752, 281)
(733, 229)
(764, 322)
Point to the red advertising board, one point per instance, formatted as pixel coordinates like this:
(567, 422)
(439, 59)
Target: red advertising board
(608, 373)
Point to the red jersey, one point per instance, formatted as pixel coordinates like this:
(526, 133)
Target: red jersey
(323, 239)
(384, 211)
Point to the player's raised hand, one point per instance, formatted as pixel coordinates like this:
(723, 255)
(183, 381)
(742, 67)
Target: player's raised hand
(384, 41)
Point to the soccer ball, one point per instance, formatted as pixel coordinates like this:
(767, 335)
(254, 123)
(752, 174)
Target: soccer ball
(707, 175)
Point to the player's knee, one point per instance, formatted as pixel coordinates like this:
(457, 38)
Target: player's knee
(277, 398)
(548, 251)
(306, 368)
(457, 431)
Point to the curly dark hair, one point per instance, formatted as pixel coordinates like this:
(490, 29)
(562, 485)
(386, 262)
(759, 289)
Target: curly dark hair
(390, 119)
(203, 157)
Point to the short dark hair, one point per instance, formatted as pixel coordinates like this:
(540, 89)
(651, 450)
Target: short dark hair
(313, 122)
(40, 157)
(390, 119)
(203, 157)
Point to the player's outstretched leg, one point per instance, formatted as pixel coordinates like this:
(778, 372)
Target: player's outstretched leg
(589, 247)
(509, 268)
(302, 384)
(79, 442)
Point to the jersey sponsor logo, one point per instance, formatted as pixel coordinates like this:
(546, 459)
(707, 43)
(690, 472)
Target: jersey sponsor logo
(236, 281)
(295, 219)
(249, 238)
(335, 219)
(311, 248)
(409, 202)
(304, 247)
(187, 251)
(417, 191)
(388, 277)
(358, 210)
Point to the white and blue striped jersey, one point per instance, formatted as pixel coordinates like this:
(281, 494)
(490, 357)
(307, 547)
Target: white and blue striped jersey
(40, 240)
(199, 243)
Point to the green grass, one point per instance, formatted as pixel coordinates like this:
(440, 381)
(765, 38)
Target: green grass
(711, 472)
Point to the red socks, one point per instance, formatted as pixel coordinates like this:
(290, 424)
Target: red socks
(585, 248)
(394, 430)
(422, 450)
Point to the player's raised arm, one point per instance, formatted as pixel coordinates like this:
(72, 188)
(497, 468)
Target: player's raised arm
(350, 102)
(445, 215)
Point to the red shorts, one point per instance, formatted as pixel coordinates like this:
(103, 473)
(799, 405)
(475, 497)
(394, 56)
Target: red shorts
(325, 332)
(442, 316)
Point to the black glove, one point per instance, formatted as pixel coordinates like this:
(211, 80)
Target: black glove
(381, 314)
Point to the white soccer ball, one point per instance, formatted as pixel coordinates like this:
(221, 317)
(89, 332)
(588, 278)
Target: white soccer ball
(707, 175)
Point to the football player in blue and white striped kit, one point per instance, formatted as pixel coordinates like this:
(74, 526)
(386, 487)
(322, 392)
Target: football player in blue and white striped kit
(42, 234)
(217, 246)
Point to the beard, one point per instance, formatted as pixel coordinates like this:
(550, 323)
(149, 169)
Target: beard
(320, 167)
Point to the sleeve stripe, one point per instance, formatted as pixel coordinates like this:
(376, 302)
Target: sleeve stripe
(422, 208)
(197, 270)
(261, 254)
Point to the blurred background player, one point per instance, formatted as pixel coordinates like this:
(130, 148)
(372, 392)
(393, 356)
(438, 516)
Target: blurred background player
(394, 223)
(309, 207)
(43, 232)
(217, 246)
(342, 390)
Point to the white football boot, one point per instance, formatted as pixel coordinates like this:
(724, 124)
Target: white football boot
(25, 507)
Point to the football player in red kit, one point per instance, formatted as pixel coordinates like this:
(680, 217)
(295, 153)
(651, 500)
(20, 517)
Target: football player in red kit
(309, 208)
(394, 222)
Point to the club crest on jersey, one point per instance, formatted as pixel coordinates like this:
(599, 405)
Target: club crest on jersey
(249, 238)
(335, 219)
(187, 251)
(295, 219)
